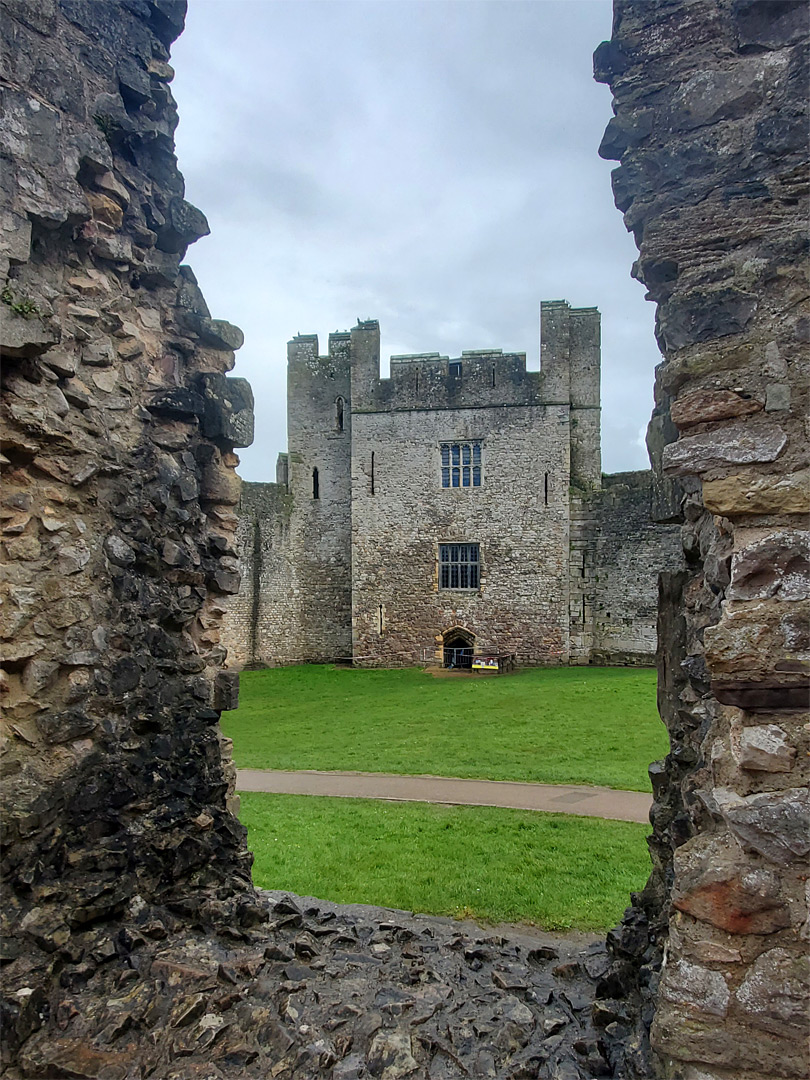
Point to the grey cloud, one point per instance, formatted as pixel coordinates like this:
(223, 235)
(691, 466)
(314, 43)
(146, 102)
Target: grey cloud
(430, 164)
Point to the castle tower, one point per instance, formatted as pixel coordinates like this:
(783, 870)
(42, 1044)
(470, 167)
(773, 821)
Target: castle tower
(570, 348)
(319, 481)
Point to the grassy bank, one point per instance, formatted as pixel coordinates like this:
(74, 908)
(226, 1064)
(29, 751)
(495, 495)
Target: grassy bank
(552, 725)
(553, 870)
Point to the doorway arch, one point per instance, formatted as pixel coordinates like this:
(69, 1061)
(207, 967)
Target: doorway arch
(458, 646)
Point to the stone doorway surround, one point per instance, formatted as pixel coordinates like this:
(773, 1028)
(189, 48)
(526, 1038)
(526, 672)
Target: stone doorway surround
(458, 647)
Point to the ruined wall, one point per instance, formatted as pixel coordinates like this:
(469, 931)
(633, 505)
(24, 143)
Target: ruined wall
(118, 499)
(260, 624)
(630, 551)
(711, 130)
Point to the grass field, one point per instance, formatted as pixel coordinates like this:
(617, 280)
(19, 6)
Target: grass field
(552, 725)
(553, 870)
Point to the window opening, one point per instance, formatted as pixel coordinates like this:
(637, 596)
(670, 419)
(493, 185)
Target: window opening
(372, 472)
(545, 493)
(339, 413)
(493, 374)
(458, 566)
(455, 369)
(381, 618)
(583, 609)
(417, 379)
(461, 464)
(316, 487)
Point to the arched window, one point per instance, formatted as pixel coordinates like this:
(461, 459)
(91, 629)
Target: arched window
(316, 488)
(339, 413)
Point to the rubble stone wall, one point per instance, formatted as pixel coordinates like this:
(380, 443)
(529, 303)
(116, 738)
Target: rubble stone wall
(710, 98)
(630, 552)
(118, 497)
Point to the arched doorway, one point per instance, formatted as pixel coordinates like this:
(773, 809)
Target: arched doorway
(458, 647)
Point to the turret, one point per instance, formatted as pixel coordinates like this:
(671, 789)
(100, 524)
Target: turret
(365, 350)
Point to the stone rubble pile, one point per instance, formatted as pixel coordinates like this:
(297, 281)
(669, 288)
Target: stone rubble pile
(318, 991)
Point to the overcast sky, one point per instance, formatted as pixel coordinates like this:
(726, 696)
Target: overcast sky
(429, 164)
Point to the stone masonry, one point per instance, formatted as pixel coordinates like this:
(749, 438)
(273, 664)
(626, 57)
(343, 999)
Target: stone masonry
(134, 944)
(568, 559)
(710, 98)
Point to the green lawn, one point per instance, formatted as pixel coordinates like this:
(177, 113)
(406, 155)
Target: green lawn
(497, 865)
(553, 725)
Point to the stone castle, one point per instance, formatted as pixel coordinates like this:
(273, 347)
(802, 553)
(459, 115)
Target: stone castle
(133, 940)
(455, 508)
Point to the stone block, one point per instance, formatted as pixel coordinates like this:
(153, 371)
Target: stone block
(709, 406)
(777, 397)
(754, 493)
(763, 748)
(775, 992)
(777, 566)
(774, 824)
(735, 444)
(714, 883)
(698, 988)
(228, 414)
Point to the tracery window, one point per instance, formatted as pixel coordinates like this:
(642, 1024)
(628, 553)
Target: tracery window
(458, 566)
(461, 464)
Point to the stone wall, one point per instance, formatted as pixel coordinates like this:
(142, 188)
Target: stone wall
(569, 562)
(118, 500)
(711, 131)
(260, 625)
(521, 606)
(630, 551)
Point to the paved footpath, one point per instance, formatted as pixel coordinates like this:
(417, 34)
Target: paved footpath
(556, 798)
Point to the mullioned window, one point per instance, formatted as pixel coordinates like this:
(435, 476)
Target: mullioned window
(461, 464)
(459, 566)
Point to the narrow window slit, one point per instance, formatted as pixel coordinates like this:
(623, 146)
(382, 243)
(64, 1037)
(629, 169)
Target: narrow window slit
(372, 472)
(316, 486)
(381, 618)
(545, 493)
(339, 413)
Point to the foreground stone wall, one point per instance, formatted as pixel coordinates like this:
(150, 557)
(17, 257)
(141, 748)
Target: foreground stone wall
(711, 131)
(117, 498)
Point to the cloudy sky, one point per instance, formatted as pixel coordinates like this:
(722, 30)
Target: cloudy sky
(429, 164)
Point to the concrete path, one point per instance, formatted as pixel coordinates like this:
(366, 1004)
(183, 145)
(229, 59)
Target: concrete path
(557, 798)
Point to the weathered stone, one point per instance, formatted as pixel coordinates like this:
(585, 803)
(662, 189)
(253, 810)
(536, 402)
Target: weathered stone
(763, 644)
(184, 224)
(222, 335)
(705, 406)
(774, 824)
(777, 397)
(22, 335)
(736, 444)
(699, 988)
(105, 209)
(389, 1056)
(228, 411)
(764, 748)
(713, 884)
(775, 992)
(752, 493)
(775, 566)
(15, 237)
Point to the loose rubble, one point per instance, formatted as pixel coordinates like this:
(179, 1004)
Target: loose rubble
(311, 989)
